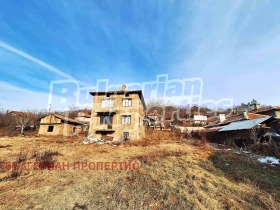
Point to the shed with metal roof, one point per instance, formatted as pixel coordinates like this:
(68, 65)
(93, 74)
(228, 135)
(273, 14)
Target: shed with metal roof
(244, 125)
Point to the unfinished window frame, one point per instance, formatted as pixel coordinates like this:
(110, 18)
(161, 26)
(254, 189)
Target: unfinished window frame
(126, 134)
(104, 121)
(50, 128)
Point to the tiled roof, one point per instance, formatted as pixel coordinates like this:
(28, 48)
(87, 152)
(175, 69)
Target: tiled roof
(197, 113)
(66, 119)
(83, 114)
(252, 116)
(236, 118)
(241, 117)
(265, 109)
(154, 114)
(212, 120)
(35, 116)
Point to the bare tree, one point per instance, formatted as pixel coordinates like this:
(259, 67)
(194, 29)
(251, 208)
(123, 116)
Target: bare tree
(23, 120)
(6, 124)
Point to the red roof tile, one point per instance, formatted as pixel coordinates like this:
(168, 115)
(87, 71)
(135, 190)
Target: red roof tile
(241, 117)
(265, 109)
(83, 114)
(35, 116)
(67, 119)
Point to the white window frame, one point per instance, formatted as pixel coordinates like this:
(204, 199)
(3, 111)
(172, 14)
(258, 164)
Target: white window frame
(126, 119)
(107, 103)
(127, 102)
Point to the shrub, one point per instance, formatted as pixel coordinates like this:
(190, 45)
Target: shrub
(45, 158)
(16, 170)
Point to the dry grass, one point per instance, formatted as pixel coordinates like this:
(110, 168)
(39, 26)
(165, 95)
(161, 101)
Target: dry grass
(240, 169)
(269, 148)
(172, 175)
(156, 137)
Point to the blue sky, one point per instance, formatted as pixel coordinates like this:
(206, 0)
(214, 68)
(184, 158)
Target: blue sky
(233, 46)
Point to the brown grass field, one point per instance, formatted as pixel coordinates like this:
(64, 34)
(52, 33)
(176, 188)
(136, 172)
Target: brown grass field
(173, 174)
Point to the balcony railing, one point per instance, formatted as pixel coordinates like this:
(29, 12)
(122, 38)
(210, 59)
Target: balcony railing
(105, 127)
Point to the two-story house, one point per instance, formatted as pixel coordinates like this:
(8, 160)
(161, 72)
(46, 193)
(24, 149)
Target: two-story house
(118, 114)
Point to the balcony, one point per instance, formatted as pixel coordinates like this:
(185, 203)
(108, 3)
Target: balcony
(104, 111)
(105, 128)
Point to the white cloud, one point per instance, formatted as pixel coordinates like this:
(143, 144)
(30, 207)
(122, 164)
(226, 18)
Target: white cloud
(235, 51)
(33, 59)
(16, 98)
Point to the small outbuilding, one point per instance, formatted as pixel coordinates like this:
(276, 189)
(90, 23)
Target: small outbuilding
(246, 132)
(55, 124)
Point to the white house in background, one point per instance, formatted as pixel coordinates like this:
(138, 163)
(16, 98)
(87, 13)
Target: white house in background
(84, 117)
(199, 119)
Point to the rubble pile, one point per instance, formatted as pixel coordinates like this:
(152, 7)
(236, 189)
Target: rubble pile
(92, 140)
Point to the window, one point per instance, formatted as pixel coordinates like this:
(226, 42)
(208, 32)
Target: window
(107, 103)
(126, 119)
(126, 102)
(125, 135)
(106, 119)
(50, 128)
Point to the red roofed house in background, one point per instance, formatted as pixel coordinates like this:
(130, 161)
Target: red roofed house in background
(84, 117)
(273, 111)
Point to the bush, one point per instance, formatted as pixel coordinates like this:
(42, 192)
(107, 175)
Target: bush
(45, 158)
(16, 170)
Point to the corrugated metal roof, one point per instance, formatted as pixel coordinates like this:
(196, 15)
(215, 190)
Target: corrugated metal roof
(244, 125)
